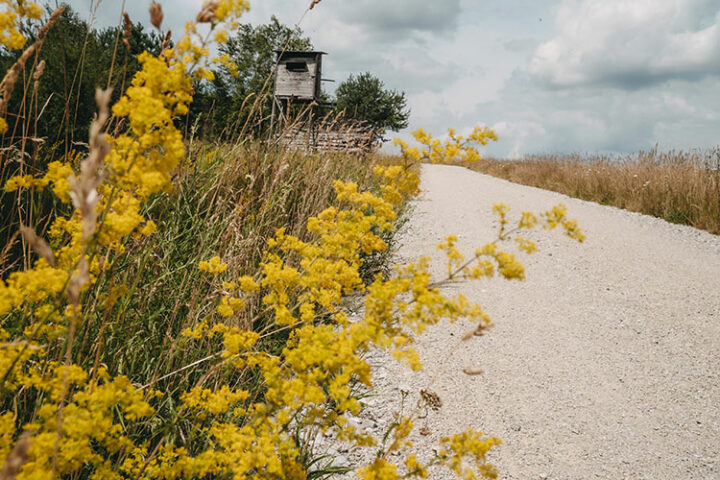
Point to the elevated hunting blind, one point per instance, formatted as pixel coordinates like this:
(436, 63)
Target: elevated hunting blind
(297, 109)
(298, 76)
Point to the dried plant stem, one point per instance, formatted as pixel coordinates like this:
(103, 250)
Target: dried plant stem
(8, 82)
(38, 244)
(85, 198)
(115, 47)
(64, 391)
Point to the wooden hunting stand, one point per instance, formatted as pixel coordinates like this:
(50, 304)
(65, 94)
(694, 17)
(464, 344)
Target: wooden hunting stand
(298, 76)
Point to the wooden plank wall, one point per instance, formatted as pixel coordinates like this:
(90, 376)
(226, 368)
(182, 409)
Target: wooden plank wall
(300, 85)
(344, 136)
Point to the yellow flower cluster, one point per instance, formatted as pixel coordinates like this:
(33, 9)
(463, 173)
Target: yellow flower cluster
(59, 174)
(214, 265)
(229, 10)
(87, 424)
(380, 469)
(32, 287)
(192, 47)
(14, 12)
(468, 444)
(489, 258)
(557, 216)
(215, 402)
(455, 148)
(398, 182)
(143, 158)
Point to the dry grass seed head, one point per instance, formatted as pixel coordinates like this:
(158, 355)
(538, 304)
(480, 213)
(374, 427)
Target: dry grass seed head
(38, 244)
(207, 13)
(478, 331)
(156, 14)
(431, 399)
(166, 40)
(127, 30)
(38, 73)
(8, 82)
(472, 371)
(17, 458)
(83, 190)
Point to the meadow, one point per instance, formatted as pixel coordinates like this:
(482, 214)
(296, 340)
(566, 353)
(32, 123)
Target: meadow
(679, 186)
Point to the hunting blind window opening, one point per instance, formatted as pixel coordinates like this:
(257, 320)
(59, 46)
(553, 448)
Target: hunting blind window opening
(296, 66)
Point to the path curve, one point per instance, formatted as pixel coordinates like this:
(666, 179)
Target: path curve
(604, 363)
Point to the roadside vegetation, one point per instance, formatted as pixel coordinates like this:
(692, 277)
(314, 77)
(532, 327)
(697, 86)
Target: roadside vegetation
(679, 186)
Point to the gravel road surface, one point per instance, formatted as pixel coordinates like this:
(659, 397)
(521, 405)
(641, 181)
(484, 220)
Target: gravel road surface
(603, 364)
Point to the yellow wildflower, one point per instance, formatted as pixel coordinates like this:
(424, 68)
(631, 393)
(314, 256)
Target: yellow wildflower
(214, 265)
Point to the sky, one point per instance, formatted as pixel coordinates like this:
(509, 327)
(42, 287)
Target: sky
(549, 76)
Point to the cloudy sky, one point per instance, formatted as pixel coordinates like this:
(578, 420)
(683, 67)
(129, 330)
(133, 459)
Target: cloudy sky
(580, 76)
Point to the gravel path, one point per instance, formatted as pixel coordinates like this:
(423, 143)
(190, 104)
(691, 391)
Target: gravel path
(604, 363)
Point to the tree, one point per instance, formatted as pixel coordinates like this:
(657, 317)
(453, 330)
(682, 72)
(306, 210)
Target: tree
(77, 60)
(363, 97)
(252, 49)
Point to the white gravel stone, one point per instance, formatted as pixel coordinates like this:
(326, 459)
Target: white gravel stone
(604, 363)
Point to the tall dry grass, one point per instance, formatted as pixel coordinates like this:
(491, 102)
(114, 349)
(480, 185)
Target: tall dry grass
(679, 186)
(227, 200)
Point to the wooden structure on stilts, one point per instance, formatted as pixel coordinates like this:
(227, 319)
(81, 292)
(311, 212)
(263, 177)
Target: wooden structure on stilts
(298, 77)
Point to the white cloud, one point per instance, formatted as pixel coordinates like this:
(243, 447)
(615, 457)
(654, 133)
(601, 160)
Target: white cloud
(396, 19)
(519, 132)
(630, 44)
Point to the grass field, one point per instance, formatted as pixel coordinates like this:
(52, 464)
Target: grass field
(679, 186)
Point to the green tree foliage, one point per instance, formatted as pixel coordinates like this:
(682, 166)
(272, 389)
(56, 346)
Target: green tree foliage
(364, 97)
(252, 48)
(78, 59)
